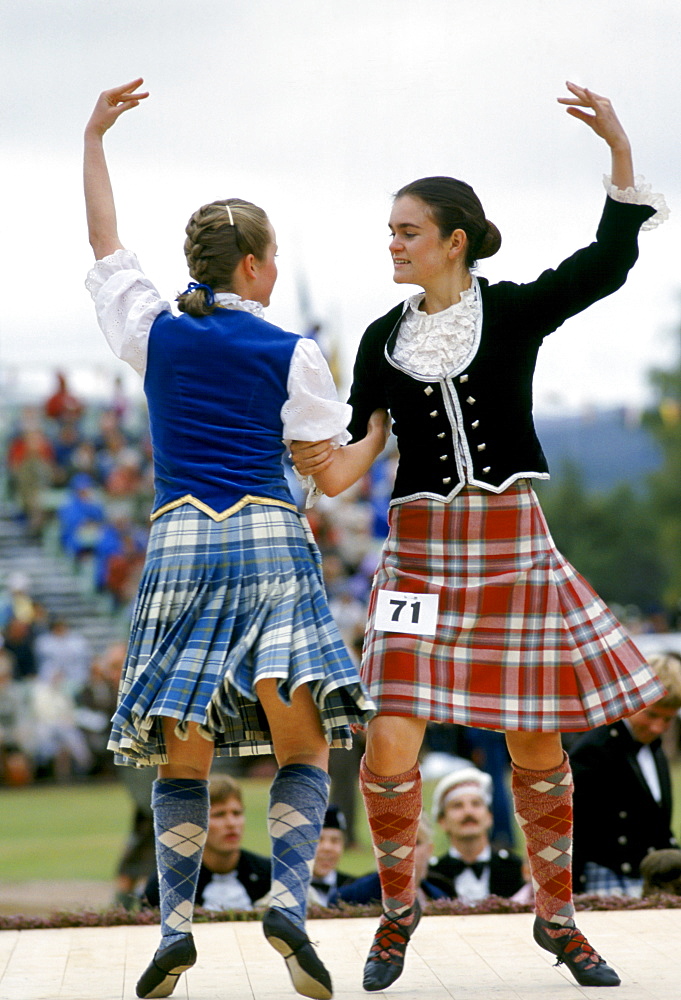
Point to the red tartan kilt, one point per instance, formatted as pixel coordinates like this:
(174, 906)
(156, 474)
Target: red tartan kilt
(522, 641)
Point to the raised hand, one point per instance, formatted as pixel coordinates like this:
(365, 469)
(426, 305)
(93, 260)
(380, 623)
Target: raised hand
(112, 103)
(601, 118)
(99, 200)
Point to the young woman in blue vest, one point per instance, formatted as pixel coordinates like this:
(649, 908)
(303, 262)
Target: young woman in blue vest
(475, 618)
(232, 648)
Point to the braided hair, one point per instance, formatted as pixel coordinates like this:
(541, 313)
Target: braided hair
(455, 205)
(219, 235)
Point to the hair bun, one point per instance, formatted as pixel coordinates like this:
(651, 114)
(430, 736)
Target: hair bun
(491, 241)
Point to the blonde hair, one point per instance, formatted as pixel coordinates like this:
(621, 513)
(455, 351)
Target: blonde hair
(219, 235)
(667, 666)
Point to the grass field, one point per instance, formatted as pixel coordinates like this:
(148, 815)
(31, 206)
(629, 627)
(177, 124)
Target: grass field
(78, 831)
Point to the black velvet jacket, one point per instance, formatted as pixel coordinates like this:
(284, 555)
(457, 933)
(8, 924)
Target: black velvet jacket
(486, 406)
(505, 873)
(616, 819)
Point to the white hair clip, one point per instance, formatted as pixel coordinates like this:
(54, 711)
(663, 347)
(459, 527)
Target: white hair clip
(229, 213)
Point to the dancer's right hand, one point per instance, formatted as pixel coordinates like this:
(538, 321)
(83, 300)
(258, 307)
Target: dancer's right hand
(112, 103)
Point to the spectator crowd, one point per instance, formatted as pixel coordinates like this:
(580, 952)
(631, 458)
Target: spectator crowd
(80, 479)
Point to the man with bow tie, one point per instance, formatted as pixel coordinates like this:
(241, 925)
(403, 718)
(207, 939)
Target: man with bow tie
(461, 806)
(623, 795)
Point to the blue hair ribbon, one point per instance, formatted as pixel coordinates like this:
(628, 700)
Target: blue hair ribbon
(194, 285)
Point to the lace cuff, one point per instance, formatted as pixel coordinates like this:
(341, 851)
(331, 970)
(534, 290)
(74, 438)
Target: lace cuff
(640, 194)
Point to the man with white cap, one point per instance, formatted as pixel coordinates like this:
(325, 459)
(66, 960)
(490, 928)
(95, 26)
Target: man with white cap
(461, 806)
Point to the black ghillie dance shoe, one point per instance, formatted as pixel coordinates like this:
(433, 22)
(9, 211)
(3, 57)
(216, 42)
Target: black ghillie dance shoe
(386, 955)
(573, 949)
(308, 974)
(160, 977)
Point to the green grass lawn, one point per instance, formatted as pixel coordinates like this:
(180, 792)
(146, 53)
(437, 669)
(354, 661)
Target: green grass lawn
(78, 831)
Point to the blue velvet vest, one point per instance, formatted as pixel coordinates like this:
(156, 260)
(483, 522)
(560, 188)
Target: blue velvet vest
(215, 386)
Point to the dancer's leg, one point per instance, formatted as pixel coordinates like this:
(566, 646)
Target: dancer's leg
(180, 806)
(542, 792)
(390, 782)
(298, 800)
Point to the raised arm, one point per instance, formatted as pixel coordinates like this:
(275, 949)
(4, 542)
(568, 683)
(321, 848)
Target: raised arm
(99, 200)
(336, 469)
(601, 117)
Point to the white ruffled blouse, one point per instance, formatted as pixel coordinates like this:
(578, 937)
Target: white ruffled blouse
(127, 304)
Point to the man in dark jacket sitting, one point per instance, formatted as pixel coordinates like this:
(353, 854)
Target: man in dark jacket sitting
(623, 792)
(461, 805)
(230, 877)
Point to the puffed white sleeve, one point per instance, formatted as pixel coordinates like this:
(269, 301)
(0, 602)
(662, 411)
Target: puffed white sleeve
(126, 304)
(313, 411)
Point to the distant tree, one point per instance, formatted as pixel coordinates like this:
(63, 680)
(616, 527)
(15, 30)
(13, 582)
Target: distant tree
(664, 422)
(610, 538)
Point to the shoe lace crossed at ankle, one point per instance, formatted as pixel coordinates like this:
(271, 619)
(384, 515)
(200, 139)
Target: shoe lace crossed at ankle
(390, 941)
(574, 946)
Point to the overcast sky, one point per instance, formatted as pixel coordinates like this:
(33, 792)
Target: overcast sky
(318, 110)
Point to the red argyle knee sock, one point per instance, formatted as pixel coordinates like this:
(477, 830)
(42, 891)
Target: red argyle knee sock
(393, 808)
(543, 808)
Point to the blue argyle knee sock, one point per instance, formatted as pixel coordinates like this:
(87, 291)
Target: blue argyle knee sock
(180, 808)
(298, 800)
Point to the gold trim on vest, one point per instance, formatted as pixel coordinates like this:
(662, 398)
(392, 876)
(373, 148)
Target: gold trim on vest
(224, 514)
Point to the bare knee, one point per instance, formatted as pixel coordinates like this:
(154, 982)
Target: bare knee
(189, 757)
(296, 729)
(393, 744)
(535, 751)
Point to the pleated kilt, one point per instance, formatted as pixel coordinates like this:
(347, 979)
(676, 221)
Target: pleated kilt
(522, 642)
(220, 606)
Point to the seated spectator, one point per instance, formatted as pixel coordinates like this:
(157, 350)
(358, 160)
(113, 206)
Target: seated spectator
(661, 872)
(623, 793)
(60, 748)
(16, 765)
(96, 703)
(367, 889)
(16, 601)
(30, 461)
(326, 878)
(63, 657)
(62, 404)
(19, 640)
(462, 806)
(230, 878)
(80, 518)
(66, 444)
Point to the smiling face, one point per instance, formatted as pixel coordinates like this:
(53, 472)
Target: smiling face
(420, 255)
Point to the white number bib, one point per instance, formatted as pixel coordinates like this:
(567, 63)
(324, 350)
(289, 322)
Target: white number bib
(398, 611)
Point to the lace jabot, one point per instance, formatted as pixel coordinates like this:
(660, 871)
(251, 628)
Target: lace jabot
(230, 300)
(438, 343)
(640, 194)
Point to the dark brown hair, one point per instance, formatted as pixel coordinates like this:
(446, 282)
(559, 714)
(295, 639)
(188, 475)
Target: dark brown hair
(455, 205)
(215, 245)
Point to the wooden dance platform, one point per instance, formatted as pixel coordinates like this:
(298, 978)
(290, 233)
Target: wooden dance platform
(450, 958)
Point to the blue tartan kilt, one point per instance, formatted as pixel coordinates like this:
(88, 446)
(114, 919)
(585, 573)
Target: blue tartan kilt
(222, 605)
